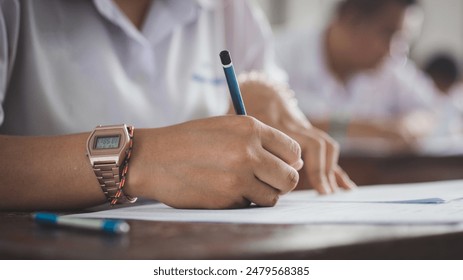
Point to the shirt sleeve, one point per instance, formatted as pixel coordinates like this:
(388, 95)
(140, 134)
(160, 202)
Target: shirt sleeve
(249, 37)
(9, 31)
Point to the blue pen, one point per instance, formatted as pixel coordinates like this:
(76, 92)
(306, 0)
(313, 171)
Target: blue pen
(232, 82)
(104, 225)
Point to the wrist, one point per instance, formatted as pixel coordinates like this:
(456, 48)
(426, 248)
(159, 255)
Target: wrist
(140, 175)
(109, 150)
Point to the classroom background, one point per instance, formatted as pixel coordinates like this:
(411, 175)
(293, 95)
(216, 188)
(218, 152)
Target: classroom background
(440, 23)
(432, 32)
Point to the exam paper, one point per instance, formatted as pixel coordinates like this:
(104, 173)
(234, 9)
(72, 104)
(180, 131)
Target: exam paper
(372, 205)
(432, 192)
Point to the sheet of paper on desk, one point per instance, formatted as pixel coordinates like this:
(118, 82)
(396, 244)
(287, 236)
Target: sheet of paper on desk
(375, 205)
(432, 192)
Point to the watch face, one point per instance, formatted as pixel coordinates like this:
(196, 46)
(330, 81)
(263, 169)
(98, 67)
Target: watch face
(107, 142)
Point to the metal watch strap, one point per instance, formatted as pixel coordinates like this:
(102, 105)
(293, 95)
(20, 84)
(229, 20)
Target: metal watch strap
(110, 180)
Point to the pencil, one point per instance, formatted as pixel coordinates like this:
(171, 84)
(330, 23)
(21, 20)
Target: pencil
(232, 82)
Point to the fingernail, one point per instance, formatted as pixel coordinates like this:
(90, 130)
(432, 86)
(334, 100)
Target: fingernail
(298, 165)
(352, 185)
(325, 186)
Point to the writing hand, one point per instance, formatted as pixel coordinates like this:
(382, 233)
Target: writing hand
(222, 162)
(275, 105)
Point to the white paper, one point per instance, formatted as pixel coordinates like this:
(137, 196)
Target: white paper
(432, 192)
(367, 205)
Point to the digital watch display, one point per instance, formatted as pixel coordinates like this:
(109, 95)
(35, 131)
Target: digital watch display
(107, 142)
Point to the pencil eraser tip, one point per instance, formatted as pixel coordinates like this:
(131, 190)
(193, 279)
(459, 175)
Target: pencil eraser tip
(225, 57)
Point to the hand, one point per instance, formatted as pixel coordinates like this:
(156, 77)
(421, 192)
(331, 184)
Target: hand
(223, 162)
(416, 125)
(275, 105)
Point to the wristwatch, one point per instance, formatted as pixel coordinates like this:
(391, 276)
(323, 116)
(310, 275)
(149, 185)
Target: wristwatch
(109, 149)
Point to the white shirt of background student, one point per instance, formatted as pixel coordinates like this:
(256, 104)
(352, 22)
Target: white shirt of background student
(344, 72)
(394, 88)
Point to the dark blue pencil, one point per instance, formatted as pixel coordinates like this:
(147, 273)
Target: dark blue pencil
(232, 82)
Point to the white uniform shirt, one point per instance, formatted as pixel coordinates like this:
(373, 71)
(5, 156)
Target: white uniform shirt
(393, 89)
(67, 66)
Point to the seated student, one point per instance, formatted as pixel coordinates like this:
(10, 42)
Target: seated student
(67, 66)
(443, 69)
(347, 83)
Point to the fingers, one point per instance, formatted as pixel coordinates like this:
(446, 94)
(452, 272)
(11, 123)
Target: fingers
(262, 194)
(336, 176)
(278, 162)
(343, 179)
(315, 164)
(282, 146)
(321, 154)
(332, 157)
(276, 173)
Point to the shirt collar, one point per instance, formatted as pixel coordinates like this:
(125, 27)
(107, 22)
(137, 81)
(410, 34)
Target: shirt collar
(165, 16)
(109, 10)
(161, 19)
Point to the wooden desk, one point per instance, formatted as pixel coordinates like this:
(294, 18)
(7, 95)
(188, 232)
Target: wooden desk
(21, 238)
(373, 170)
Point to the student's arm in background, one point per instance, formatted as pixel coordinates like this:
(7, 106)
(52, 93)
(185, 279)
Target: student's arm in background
(412, 117)
(401, 132)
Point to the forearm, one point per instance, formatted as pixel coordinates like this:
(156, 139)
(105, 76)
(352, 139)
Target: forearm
(47, 173)
(359, 128)
(211, 163)
(374, 129)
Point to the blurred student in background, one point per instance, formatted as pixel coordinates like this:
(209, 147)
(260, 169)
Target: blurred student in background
(443, 69)
(348, 83)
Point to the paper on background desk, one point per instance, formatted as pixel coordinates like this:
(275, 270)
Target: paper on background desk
(442, 203)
